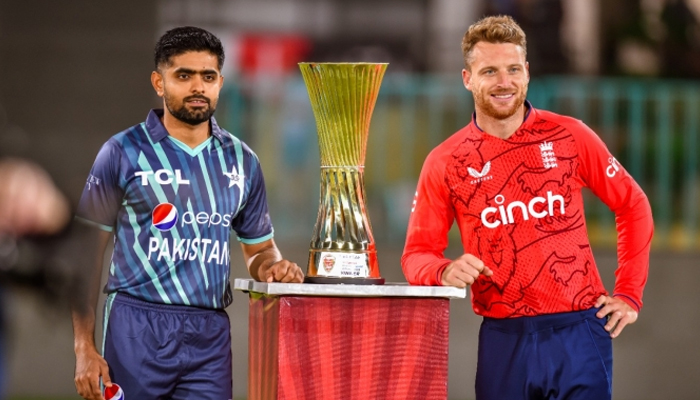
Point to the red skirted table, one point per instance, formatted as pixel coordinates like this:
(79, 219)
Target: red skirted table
(311, 341)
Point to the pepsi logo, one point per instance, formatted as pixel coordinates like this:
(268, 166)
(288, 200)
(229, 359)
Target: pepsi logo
(164, 216)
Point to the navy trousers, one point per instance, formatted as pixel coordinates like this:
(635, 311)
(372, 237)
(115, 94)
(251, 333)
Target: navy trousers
(556, 356)
(158, 351)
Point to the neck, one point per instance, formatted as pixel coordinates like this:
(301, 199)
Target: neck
(191, 135)
(500, 128)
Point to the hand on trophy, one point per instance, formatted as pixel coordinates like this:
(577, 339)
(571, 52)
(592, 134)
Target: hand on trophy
(283, 271)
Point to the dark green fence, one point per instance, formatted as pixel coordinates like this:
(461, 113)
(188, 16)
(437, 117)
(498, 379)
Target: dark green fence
(650, 125)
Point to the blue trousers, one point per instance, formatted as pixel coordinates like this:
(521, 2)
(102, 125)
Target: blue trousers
(555, 356)
(158, 351)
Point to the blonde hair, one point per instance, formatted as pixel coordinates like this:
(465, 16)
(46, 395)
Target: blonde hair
(494, 29)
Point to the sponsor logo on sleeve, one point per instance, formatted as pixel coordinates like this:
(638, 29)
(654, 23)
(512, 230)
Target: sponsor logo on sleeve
(613, 167)
(92, 180)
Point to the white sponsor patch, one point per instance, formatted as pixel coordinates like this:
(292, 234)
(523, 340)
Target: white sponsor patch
(343, 265)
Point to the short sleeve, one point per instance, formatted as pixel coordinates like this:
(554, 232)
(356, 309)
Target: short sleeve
(103, 194)
(252, 223)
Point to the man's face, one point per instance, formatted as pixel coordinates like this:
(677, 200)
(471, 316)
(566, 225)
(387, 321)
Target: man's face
(498, 78)
(189, 86)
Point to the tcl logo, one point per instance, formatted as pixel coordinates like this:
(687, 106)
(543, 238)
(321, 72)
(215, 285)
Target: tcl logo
(505, 212)
(162, 177)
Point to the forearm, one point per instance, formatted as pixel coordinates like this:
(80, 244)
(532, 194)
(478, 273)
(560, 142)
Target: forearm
(424, 268)
(83, 309)
(635, 230)
(261, 261)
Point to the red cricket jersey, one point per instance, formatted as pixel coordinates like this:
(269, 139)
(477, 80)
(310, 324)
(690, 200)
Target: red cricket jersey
(519, 208)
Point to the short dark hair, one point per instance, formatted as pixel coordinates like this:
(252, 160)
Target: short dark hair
(187, 38)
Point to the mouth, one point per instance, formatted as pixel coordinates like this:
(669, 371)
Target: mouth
(197, 102)
(503, 97)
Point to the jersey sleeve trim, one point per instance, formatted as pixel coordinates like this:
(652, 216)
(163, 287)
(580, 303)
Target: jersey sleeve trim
(257, 240)
(95, 224)
(628, 300)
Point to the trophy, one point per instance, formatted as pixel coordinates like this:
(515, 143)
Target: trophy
(342, 98)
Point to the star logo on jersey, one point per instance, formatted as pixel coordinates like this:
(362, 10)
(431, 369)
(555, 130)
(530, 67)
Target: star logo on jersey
(480, 175)
(234, 178)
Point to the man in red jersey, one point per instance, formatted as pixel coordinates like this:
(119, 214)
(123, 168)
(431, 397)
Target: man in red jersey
(512, 180)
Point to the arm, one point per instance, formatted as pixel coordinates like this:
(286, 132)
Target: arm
(265, 263)
(98, 206)
(90, 365)
(423, 259)
(608, 180)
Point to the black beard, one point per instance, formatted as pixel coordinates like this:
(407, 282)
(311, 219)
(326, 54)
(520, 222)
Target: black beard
(181, 113)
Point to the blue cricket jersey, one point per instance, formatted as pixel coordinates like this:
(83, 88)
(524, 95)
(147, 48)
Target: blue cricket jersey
(171, 208)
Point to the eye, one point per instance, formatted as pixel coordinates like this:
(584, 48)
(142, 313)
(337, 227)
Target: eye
(182, 76)
(209, 78)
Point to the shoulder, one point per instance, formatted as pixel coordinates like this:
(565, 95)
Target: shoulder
(461, 141)
(132, 136)
(571, 124)
(238, 146)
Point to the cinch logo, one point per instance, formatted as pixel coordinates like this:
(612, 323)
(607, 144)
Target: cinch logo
(612, 169)
(505, 212)
(163, 177)
(480, 175)
(164, 216)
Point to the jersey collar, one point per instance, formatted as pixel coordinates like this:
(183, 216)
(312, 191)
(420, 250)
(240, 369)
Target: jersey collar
(155, 127)
(526, 122)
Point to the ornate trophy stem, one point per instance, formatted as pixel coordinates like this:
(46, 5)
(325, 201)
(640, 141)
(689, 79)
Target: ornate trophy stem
(342, 97)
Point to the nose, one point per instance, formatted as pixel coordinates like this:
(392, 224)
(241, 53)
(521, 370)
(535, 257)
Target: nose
(502, 79)
(197, 84)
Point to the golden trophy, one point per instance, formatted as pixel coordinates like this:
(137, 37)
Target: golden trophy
(342, 98)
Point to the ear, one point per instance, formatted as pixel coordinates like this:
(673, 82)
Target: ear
(157, 82)
(527, 71)
(466, 78)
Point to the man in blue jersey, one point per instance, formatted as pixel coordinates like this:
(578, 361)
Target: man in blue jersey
(170, 190)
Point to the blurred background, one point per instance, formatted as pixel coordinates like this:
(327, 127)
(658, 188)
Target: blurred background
(73, 73)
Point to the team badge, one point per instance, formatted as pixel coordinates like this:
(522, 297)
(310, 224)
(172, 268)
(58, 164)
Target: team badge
(328, 262)
(549, 159)
(164, 216)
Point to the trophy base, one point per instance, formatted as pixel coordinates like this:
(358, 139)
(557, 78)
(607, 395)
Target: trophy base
(343, 281)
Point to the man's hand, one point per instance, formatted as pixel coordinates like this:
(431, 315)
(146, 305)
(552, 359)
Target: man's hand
(619, 314)
(283, 271)
(464, 271)
(89, 367)
(265, 263)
